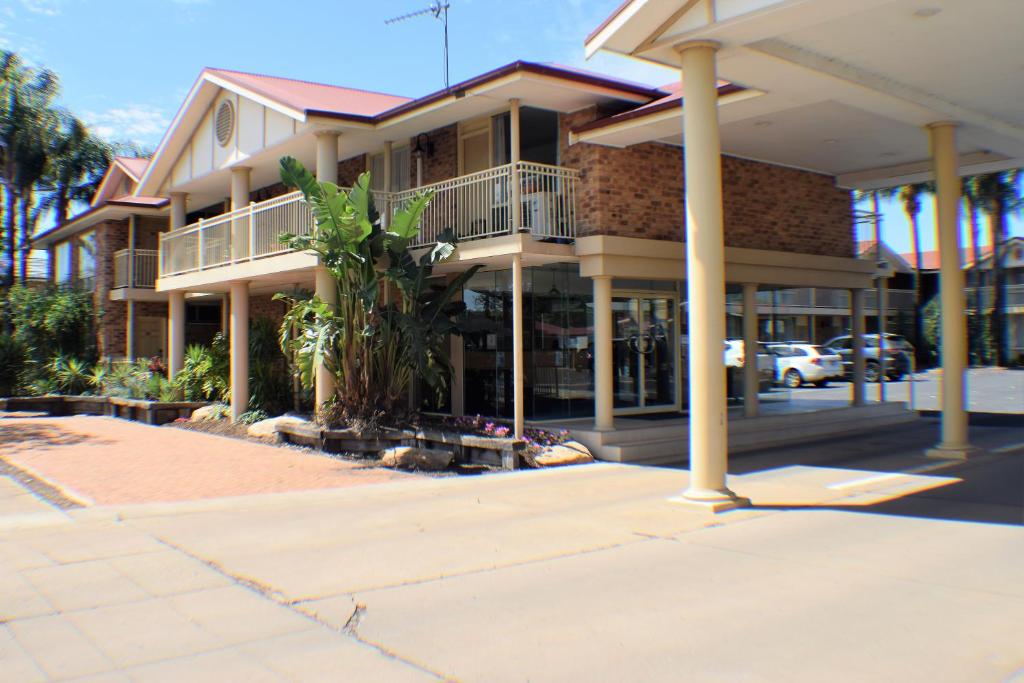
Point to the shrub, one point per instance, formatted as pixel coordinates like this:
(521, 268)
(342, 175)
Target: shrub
(13, 363)
(138, 380)
(51, 322)
(252, 416)
(70, 375)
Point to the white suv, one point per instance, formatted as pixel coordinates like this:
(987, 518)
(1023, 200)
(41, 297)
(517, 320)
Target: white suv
(796, 364)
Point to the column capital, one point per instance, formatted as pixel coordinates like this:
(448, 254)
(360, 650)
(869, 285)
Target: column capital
(241, 169)
(692, 44)
(942, 124)
(327, 133)
(181, 195)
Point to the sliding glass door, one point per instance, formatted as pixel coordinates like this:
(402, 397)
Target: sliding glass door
(645, 351)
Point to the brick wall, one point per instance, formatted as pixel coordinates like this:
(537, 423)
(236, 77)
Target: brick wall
(263, 306)
(111, 316)
(147, 231)
(637, 192)
(443, 163)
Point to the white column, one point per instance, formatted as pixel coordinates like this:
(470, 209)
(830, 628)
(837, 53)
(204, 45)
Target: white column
(604, 385)
(327, 290)
(239, 349)
(857, 332)
(518, 376)
(129, 331)
(457, 353)
(705, 267)
(178, 209)
(240, 199)
(751, 381)
(327, 156)
(517, 188)
(954, 442)
(883, 315)
(175, 332)
(382, 206)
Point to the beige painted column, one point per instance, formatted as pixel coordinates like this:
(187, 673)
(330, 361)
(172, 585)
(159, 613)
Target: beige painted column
(239, 349)
(327, 156)
(175, 332)
(179, 201)
(384, 206)
(857, 332)
(751, 381)
(604, 384)
(705, 267)
(240, 199)
(129, 325)
(516, 194)
(518, 369)
(176, 300)
(882, 311)
(327, 290)
(954, 442)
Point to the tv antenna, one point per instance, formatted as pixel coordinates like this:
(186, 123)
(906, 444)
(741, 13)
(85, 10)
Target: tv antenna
(440, 11)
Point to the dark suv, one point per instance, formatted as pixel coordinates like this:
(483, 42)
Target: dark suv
(898, 352)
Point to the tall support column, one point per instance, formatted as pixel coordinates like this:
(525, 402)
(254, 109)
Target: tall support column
(954, 442)
(705, 267)
(178, 209)
(239, 349)
(327, 156)
(518, 369)
(384, 206)
(240, 199)
(883, 327)
(175, 332)
(129, 331)
(514, 156)
(857, 332)
(751, 381)
(327, 290)
(604, 398)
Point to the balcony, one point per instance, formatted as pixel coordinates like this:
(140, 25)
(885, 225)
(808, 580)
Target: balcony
(1014, 297)
(142, 276)
(474, 206)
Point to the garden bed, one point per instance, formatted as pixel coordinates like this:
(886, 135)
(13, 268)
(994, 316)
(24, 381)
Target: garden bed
(149, 412)
(506, 453)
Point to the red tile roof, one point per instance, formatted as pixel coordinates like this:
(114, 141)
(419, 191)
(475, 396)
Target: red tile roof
(309, 96)
(930, 259)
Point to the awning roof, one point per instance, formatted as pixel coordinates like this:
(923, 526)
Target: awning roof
(846, 87)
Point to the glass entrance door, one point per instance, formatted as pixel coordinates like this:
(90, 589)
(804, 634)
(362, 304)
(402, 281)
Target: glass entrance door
(645, 353)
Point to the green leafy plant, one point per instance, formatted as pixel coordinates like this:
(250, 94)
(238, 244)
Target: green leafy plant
(70, 375)
(252, 416)
(374, 349)
(13, 363)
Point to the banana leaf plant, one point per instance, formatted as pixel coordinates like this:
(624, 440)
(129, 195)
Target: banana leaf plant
(391, 325)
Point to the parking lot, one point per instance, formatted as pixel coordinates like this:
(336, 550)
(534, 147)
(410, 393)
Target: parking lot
(989, 390)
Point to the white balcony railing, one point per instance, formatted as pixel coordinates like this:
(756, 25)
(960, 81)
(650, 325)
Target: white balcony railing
(473, 206)
(1014, 296)
(144, 268)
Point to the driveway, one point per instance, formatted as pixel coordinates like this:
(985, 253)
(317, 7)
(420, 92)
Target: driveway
(860, 560)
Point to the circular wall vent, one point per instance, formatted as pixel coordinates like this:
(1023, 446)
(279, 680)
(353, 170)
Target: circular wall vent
(224, 122)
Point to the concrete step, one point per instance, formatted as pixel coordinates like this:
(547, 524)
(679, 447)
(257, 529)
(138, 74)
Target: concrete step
(667, 443)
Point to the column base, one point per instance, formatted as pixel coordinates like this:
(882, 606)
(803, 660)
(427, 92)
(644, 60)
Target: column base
(952, 451)
(713, 501)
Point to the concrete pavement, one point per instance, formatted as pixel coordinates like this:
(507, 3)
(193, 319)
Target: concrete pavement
(861, 560)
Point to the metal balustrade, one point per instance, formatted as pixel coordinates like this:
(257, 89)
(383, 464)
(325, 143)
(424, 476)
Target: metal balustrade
(145, 268)
(473, 206)
(1014, 296)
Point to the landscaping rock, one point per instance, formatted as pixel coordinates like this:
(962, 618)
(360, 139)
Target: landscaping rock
(268, 428)
(568, 453)
(411, 458)
(214, 411)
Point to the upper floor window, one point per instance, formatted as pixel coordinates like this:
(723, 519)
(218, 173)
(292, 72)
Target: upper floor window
(400, 170)
(87, 256)
(62, 262)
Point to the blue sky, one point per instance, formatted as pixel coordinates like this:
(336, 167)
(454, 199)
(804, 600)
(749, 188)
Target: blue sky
(126, 65)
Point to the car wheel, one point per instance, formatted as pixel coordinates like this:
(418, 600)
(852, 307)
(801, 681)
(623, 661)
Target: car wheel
(872, 373)
(792, 379)
(822, 383)
(896, 377)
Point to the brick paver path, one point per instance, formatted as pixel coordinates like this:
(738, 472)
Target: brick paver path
(100, 460)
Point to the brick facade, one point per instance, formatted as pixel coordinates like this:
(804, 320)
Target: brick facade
(111, 316)
(443, 162)
(637, 192)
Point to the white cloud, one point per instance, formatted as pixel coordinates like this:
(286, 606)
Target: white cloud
(140, 123)
(48, 8)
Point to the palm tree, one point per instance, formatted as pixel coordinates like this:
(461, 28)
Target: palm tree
(968, 190)
(78, 160)
(26, 95)
(998, 194)
(910, 198)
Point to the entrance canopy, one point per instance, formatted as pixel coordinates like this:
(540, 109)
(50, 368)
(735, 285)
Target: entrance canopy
(839, 87)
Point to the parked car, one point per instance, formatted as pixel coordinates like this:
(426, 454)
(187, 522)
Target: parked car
(799, 363)
(898, 352)
(735, 357)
